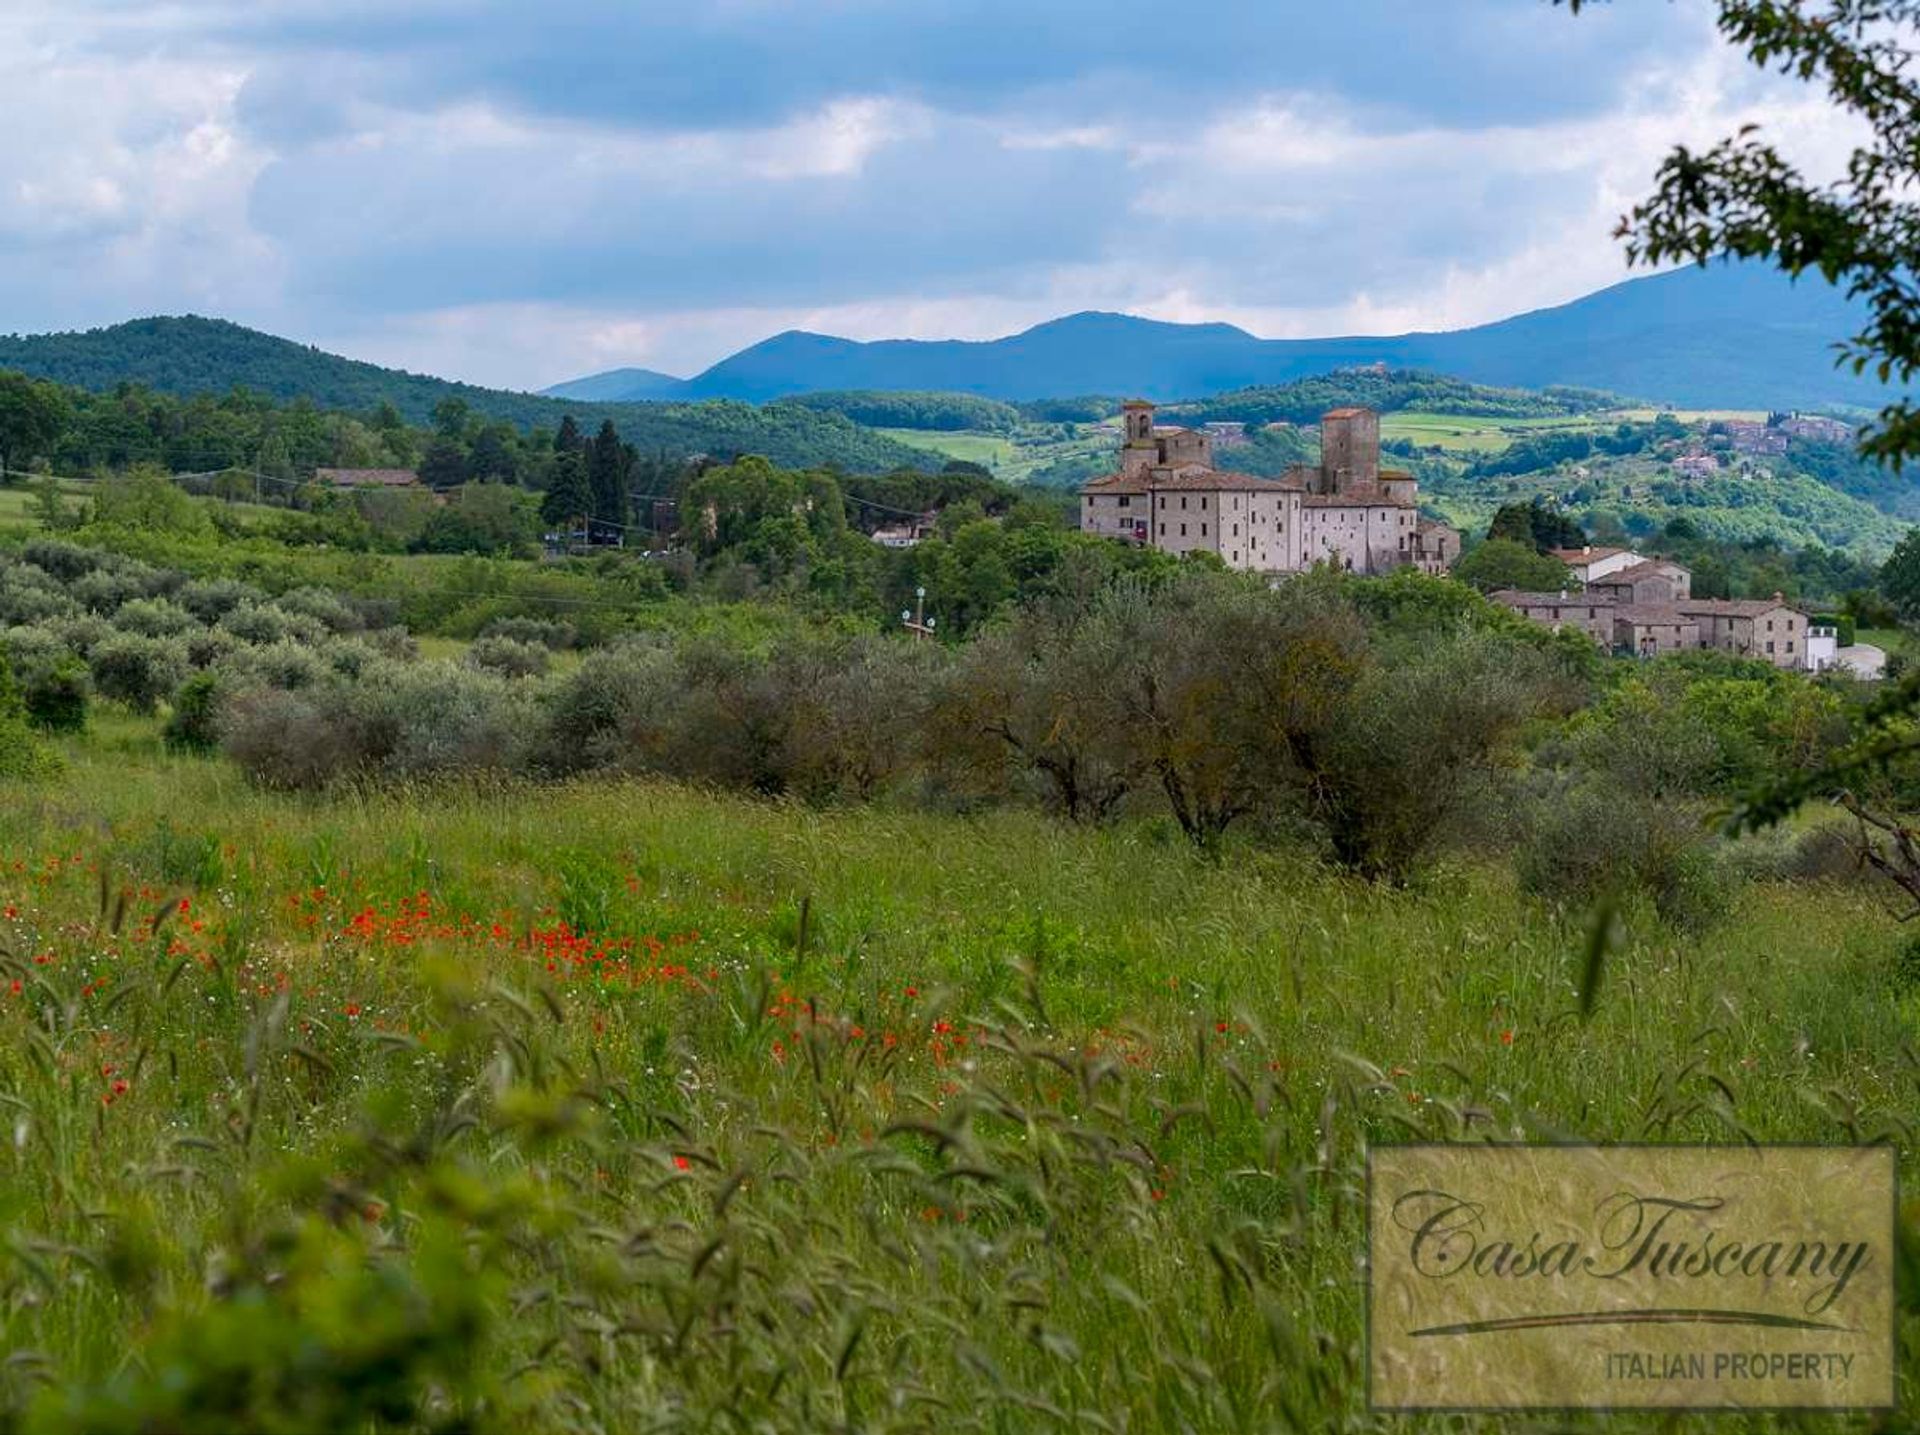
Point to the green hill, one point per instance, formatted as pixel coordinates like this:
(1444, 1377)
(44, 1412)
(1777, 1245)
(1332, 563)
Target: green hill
(188, 356)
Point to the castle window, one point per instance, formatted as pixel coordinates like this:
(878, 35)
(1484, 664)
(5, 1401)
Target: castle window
(1203, 530)
(1125, 501)
(1203, 500)
(1183, 530)
(1183, 500)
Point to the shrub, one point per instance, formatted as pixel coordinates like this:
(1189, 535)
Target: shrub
(285, 664)
(392, 642)
(212, 600)
(29, 648)
(617, 709)
(270, 623)
(323, 606)
(349, 657)
(22, 754)
(426, 718)
(57, 695)
(1597, 841)
(152, 618)
(207, 647)
(509, 657)
(65, 561)
(286, 740)
(27, 602)
(82, 633)
(140, 672)
(194, 723)
(105, 590)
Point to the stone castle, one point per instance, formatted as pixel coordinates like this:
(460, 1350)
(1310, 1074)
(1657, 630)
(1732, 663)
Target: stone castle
(1348, 511)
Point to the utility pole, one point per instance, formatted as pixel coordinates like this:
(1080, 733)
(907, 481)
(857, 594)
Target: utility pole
(916, 620)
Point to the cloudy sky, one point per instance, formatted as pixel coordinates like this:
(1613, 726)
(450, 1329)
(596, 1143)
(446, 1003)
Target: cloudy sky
(517, 193)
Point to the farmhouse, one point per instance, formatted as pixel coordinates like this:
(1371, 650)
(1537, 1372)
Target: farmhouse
(1588, 564)
(1644, 610)
(1347, 511)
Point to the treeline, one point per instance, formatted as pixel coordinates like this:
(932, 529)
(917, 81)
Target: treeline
(939, 412)
(227, 426)
(1305, 400)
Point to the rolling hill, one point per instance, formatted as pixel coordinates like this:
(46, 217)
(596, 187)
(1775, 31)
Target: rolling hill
(1729, 336)
(188, 355)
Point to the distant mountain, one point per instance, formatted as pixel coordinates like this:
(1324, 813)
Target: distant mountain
(621, 386)
(1728, 336)
(189, 355)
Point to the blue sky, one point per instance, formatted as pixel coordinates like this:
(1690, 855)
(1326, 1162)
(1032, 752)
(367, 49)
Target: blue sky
(517, 193)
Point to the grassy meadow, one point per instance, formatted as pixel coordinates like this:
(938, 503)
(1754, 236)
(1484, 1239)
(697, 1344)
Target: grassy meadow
(625, 1106)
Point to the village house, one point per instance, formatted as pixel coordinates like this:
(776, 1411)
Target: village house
(1821, 430)
(1347, 511)
(1589, 564)
(1753, 437)
(1696, 465)
(1644, 610)
(908, 534)
(1651, 580)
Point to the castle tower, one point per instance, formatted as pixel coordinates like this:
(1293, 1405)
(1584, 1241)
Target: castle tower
(1349, 448)
(1138, 451)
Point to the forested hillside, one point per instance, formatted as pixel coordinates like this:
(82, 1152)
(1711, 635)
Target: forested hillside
(189, 357)
(1389, 391)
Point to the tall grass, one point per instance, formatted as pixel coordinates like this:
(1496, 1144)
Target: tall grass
(623, 1106)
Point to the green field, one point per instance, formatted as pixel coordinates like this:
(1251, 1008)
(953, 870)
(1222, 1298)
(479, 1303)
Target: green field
(1012, 458)
(620, 1106)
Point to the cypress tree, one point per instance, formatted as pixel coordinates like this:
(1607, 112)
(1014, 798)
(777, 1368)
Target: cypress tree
(608, 461)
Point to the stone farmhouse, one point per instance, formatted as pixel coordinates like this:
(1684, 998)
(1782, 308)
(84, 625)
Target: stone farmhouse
(1347, 511)
(1643, 607)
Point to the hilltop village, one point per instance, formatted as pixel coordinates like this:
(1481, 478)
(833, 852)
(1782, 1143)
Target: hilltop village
(1351, 513)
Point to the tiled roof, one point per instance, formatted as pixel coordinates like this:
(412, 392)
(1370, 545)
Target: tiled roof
(1643, 615)
(1519, 598)
(1346, 413)
(1191, 479)
(1356, 496)
(1734, 607)
(1585, 555)
(1646, 568)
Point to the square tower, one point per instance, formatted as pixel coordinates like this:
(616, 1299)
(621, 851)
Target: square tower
(1349, 448)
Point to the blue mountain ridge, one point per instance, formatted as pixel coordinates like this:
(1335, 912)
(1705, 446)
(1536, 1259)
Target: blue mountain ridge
(1728, 335)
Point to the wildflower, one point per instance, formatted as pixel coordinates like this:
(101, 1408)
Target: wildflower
(681, 1163)
(352, 1008)
(1506, 1037)
(1220, 1027)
